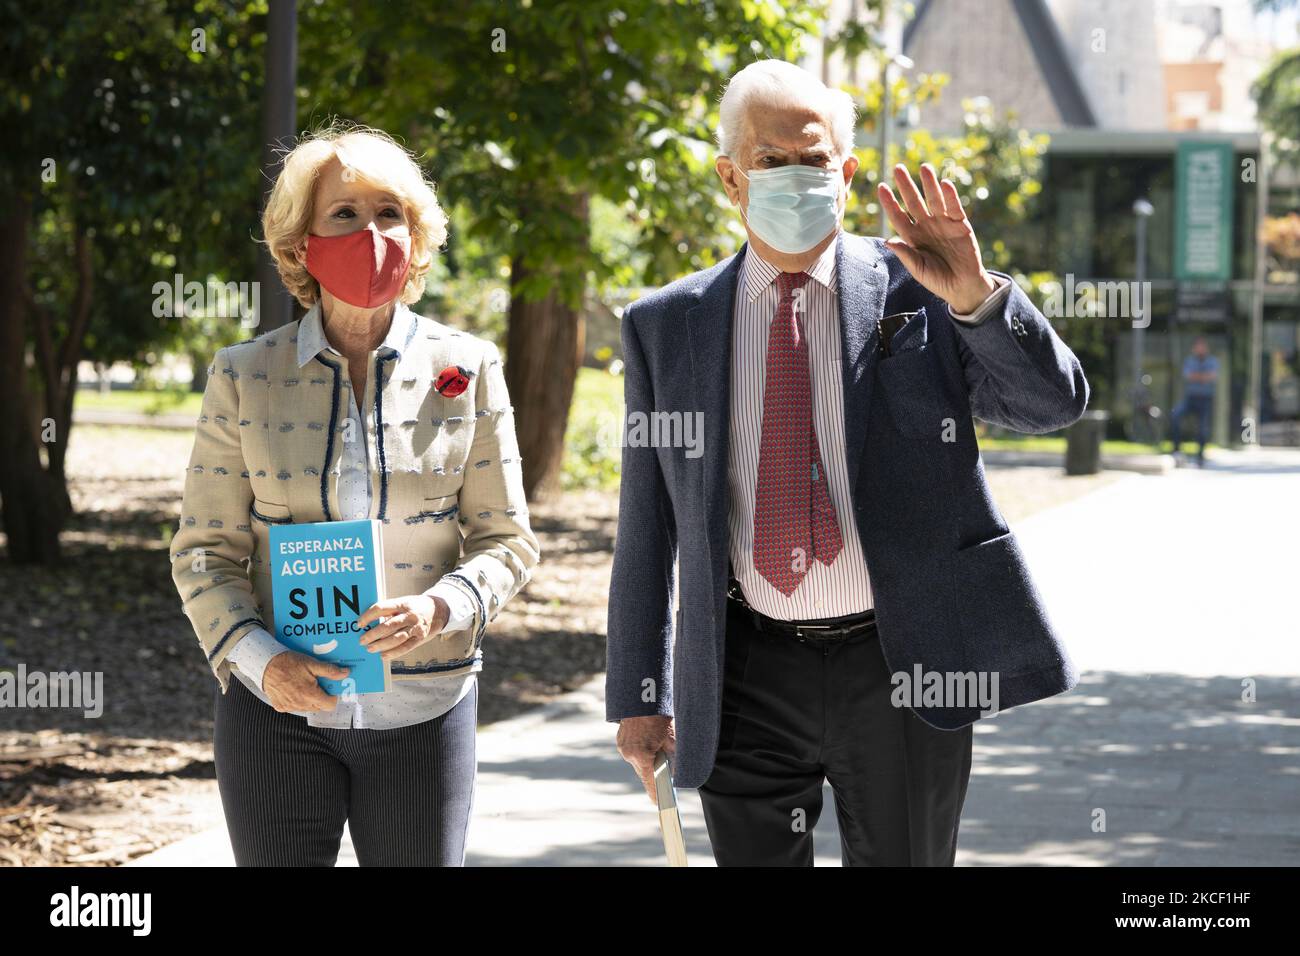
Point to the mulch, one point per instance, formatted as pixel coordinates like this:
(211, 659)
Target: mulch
(79, 791)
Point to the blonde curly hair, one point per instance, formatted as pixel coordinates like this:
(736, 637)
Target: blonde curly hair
(371, 155)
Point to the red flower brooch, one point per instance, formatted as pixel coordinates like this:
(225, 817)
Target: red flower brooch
(452, 381)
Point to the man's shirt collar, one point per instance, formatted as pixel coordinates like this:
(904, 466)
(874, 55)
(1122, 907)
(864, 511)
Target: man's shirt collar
(759, 273)
(312, 340)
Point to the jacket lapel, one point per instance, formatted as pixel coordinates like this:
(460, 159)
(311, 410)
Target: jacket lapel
(708, 326)
(863, 286)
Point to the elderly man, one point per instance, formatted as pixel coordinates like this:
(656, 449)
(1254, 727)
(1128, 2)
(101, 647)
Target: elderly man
(844, 581)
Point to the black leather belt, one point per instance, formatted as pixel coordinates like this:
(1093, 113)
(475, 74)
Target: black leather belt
(828, 631)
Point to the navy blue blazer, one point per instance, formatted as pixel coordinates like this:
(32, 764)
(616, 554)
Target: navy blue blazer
(952, 593)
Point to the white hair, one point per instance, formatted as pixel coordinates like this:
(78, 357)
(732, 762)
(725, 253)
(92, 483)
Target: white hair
(775, 83)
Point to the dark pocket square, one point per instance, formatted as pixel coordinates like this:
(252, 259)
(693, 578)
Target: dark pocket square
(902, 332)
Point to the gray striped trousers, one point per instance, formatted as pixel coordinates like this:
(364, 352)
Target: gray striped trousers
(287, 788)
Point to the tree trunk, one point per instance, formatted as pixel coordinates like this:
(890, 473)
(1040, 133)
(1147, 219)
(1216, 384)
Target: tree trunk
(58, 365)
(199, 382)
(544, 347)
(34, 509)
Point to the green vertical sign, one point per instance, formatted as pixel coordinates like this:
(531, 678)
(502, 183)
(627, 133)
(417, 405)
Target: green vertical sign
(1203, 180)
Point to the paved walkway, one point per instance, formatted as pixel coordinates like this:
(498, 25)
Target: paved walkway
(1171, 592)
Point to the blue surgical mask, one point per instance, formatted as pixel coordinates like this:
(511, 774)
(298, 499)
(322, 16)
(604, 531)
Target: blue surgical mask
(792, 208)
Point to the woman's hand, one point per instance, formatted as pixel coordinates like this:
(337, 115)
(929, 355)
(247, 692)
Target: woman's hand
(289, 682)
(411, 621)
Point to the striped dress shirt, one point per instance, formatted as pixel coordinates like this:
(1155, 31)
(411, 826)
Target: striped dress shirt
(843, 587)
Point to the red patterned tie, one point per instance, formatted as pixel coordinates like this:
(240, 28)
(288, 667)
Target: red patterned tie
(794, 519)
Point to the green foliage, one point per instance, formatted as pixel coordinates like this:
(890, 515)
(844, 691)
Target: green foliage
(1085, 331)
(1277, 95)
(517, 110)
(522, 111)
(1110, 448)
(592, 454)
(995, 164)
(140, 401)
(148, 142)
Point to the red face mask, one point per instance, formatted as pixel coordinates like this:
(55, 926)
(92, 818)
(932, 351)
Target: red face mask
(365, 268)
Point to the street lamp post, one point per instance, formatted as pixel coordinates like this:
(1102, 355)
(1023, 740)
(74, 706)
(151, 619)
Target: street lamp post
(1254, 367)
(1142, 210)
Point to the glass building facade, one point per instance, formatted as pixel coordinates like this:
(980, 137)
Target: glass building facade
(1084, 229)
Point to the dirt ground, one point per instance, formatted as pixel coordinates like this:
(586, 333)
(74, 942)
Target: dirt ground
(75, 791)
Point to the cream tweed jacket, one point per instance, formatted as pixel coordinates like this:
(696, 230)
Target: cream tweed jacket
(446, 473)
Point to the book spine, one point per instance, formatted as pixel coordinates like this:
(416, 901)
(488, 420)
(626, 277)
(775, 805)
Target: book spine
(381, 581)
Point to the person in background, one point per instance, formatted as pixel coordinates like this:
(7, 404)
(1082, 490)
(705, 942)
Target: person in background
(1200, 374)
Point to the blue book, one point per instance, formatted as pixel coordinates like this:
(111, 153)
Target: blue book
(324, 576)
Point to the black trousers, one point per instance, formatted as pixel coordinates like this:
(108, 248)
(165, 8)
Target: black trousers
(287, 787)
(795, 715)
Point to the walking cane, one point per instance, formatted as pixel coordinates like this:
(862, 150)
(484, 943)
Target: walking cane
(670, 821)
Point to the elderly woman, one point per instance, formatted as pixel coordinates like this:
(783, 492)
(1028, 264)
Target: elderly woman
(361, 409)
